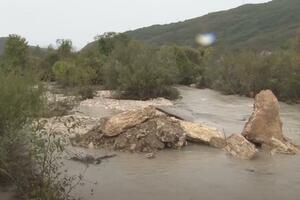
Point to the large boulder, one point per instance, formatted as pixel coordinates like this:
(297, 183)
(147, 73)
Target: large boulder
(264, 127)
(239, 147)
(264, 123)
(126, 120)
(200, 133)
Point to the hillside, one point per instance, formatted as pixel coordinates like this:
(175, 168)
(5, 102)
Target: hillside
(260, 26)
(2, 43)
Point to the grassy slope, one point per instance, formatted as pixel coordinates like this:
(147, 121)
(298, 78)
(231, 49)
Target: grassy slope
(261, 26)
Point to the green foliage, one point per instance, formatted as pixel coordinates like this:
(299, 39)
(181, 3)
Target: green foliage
(2, 44)
(65, 48)
(15, 51)
(95, 61)
(30, 157)
(139, 71)
(20, 100)
(107, 42)
(248, 72)
(68, 74)
(189, 63)
(47, 62)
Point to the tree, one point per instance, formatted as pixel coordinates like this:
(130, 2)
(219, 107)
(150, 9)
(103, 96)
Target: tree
(65, 48)
(108, 41)
(15, 51)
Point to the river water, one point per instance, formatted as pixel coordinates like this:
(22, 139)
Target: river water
(197, 172)
(200, 172)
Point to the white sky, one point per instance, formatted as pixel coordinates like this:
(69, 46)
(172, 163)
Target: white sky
(43, 21)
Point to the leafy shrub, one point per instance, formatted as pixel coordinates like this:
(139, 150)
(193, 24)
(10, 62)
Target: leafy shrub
(249, 72)
(139, 71)
(31, 162)
(188, 62)
(68, 74)
(16, 51)
(20, 100)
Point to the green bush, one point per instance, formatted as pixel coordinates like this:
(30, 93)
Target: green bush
(139, 71)
(248, 72)
(20, 100)
(189, 63)
(30, 157)
(68, 74)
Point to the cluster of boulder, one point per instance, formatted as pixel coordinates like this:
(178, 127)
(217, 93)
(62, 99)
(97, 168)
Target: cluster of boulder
(149, 130)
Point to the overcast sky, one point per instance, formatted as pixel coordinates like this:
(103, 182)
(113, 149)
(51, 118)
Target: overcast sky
(44, 21)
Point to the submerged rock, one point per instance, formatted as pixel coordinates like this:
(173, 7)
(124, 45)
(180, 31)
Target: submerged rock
(264, 123)
(239, 147)
(199, 133)
(126, 120)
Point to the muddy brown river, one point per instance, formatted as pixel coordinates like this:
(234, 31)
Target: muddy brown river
(200, 172)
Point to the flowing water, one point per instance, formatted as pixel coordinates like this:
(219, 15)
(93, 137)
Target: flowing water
(200, 172)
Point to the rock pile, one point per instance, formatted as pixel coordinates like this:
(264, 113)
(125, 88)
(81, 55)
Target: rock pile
(146, 131)
(136, 131)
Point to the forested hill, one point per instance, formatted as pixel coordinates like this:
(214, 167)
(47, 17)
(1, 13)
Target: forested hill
(2, 43)
(261, 26)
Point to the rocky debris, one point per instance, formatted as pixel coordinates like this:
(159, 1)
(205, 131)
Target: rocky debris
(152, 135)
(59, 105)
(264, 127)
(264, 123)
(105, 98)
(170, 132)
(199, 133)
(239, 147)
(126, 120)
(70, 125)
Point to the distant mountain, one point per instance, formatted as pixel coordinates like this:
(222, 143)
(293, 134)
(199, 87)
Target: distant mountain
(2, 43)
(261, 26)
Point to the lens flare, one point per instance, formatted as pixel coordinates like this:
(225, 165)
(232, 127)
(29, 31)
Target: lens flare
(206, 39)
